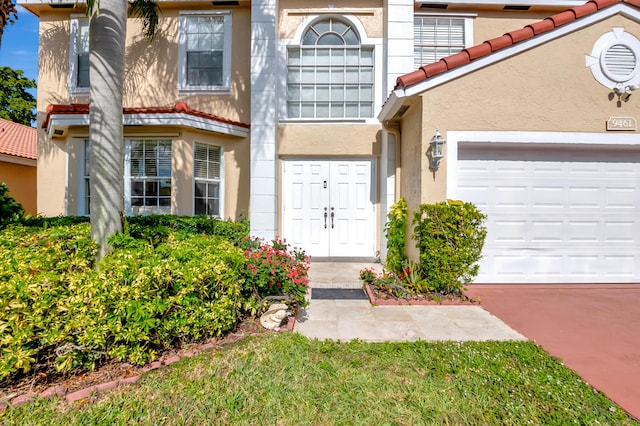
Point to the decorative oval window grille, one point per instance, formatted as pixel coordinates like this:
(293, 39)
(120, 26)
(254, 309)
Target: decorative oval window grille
(614, 60)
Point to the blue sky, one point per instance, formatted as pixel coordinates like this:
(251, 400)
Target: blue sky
(19, 48)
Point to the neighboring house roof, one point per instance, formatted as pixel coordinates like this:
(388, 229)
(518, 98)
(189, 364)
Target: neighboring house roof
(18, 140)
(509, 39)
(63, 116)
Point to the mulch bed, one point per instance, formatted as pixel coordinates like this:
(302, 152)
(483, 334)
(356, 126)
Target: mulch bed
(383, 298)
(47, 384)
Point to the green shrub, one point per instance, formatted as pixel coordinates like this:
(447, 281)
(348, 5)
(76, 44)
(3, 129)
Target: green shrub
(276, 269)
(155, 228)
(233, 231)
(57, 309)
(143, 298)
(450, 236)
(46, 222)
(10, 209)
(35, 273)
(396, 232)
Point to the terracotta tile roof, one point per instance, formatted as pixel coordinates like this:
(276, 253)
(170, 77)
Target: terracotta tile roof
(178, 108)
(509, 39)
(18, 140)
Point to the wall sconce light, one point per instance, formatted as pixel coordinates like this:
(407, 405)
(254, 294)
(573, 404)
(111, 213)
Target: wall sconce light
(436, 150)
(624, 92)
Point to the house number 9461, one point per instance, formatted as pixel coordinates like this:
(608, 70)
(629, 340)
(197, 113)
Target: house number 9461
(622, 123)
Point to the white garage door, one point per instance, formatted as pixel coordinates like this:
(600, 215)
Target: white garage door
(555, 215)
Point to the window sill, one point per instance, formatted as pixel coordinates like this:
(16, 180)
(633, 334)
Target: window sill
(328, 121)
(78, 92)
(204, 91)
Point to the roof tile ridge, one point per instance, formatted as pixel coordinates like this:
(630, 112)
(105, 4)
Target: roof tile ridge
(179, 107)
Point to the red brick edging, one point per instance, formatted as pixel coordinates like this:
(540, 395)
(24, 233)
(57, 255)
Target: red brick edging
(61, 390)
(415, 302)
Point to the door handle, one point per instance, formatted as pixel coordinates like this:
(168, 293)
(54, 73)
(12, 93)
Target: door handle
(332, 215)
(325, 218)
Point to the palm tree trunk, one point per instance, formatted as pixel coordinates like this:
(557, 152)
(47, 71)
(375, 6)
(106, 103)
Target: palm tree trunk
(106, 74)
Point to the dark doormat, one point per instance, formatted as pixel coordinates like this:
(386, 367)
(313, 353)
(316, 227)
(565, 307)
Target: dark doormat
(338, 294)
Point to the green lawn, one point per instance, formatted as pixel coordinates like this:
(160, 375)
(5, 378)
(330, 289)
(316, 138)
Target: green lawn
(287, 379)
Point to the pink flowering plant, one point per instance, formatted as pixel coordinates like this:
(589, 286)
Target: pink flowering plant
(276, 269)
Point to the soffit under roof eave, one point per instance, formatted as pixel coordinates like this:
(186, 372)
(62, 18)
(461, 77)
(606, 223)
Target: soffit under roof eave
(507, 52)
(17, 159)
(64, 121)
(391, 106)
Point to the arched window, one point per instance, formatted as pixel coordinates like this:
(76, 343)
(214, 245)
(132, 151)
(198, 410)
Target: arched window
(330, 75)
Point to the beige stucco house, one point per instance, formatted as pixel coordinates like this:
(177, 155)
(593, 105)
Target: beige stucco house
(541, 133)
(18, 158)
(270, 109)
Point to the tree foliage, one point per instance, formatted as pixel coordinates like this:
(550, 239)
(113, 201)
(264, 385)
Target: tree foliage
(8, 14)
(10, 209)
(16, 103)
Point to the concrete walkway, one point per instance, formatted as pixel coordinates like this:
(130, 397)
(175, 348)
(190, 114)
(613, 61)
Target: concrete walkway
(357, 319)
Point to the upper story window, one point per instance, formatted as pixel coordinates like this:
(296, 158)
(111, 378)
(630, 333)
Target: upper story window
(438, 36)
(204, 54)
(79, 54)
(330, 75)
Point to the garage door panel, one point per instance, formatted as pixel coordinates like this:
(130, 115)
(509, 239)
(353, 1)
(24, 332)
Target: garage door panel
(546, 232)
(583, 232)
(548, 196)
(564, 216)
(587, 197)
(510, 196)
(546, 267)
(623, 266)
(617, 232)
(620, 198)
(511, 231)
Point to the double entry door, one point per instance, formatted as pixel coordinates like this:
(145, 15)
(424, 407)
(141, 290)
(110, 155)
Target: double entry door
(329, 207)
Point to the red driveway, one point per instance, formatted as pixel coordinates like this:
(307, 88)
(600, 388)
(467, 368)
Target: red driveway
(593, 328)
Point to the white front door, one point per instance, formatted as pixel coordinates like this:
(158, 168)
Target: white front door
(329, 207)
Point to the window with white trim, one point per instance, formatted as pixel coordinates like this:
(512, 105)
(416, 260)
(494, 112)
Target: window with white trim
(148, 177)
(435, 37)
(330, 75)
(204, 53)
(207, 179)
(79, 54)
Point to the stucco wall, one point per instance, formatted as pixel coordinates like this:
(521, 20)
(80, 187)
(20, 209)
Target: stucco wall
(328, 140)
(150, 81)
(151, 66)
(21, 180)
(293, 13)
(548, 88)
(488, 25)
